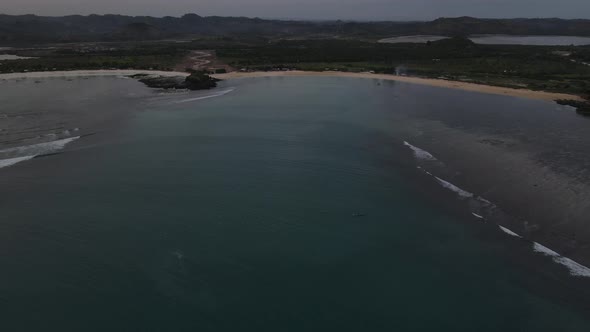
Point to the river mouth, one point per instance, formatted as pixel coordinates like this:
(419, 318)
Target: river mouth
(291, 202)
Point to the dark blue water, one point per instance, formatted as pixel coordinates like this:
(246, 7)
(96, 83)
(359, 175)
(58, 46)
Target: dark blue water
(285, 205)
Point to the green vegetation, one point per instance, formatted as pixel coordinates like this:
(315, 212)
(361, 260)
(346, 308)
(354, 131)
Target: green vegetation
(200, 81)
(75, 57)
(534, 67)
(90, 62)
(76, 28)
(582, 54)
(556, 69)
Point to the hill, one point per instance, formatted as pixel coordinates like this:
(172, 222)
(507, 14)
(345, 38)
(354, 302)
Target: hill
(76, 28)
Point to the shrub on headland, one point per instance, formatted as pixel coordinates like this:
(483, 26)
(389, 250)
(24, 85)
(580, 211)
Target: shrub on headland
(195, 81)
(198, 80)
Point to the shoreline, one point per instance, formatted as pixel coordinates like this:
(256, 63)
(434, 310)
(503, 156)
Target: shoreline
(466, 86)
(474, 87)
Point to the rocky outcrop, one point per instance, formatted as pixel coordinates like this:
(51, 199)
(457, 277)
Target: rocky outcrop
(195, 81)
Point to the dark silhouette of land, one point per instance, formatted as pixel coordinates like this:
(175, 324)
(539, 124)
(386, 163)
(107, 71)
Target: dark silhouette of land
(76, 28)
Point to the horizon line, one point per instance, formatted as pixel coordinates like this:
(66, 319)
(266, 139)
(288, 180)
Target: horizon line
(398, 19)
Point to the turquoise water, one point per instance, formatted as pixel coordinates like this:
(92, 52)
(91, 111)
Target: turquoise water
(285, 205)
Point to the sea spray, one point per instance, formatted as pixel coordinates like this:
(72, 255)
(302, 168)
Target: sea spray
(219, 94)
(420, 153)
(509, 232)
(12, 161)
(454, 188)
(575, 268)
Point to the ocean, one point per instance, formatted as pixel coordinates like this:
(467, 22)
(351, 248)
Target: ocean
(290, 204)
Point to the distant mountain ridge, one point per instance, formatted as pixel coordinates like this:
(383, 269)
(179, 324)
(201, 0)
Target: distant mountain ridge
(517, 26)
(76, 28)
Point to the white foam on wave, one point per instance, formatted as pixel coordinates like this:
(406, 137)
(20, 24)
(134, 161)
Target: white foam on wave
(509, 232)
(481, 199)
(12, 161)
(425, 171)
(576, 269)
(41, 148)
(537, 247)
(28, 152)
(419, 153)
(219, 94)
(454, 188)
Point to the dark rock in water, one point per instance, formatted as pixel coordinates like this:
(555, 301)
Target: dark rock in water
(582, 107)
(200, 81)
(161, 82)
(196, 81)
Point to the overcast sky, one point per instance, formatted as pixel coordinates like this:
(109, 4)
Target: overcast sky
(308, 9)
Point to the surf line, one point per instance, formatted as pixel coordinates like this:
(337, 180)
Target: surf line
(33, 151)
(219, 94)
(575, 269)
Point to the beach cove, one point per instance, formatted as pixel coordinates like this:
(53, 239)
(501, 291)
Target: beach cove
(241, 204)
(523, 93)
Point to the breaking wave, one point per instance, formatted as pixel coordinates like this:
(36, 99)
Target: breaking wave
(509, 232)
(219, 94)
(419, 153)
(19, 154)
(454, 188)
(12, 161)
(576, 269)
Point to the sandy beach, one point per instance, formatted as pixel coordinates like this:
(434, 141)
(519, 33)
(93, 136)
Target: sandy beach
(522, 93)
